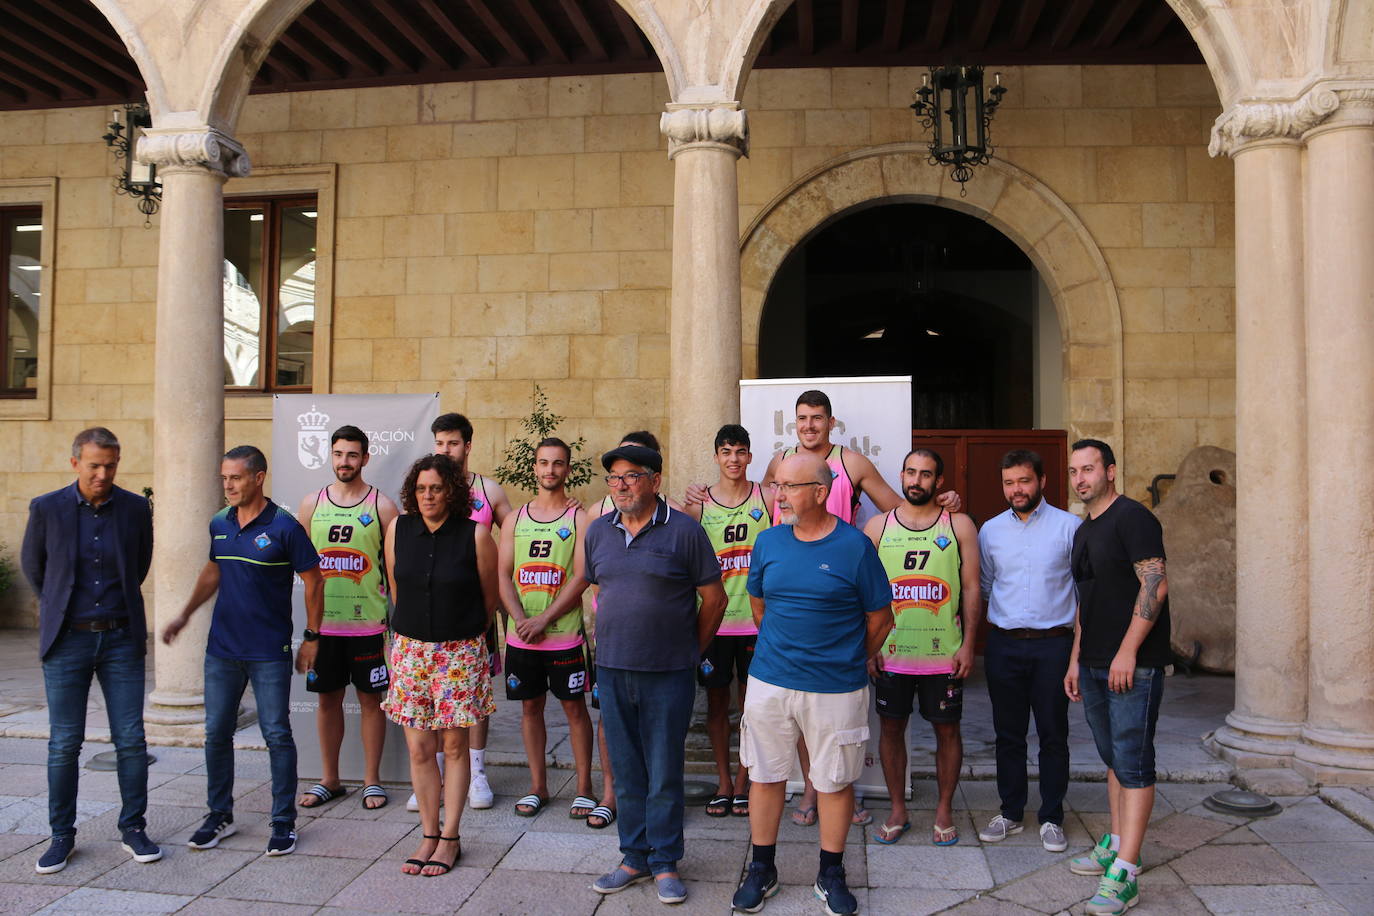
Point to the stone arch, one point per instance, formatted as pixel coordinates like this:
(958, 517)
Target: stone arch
(1008, 198)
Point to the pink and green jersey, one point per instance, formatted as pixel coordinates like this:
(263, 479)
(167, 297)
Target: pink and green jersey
(349, 541)
(543, 564)
(481, 506)
(733, 530)
(843, 500)
(923, 569)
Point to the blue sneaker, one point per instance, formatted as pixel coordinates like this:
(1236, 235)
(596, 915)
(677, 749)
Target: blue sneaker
(670, 889)
(56, 856)
(760, 883)
(137, 844)
(618, 879)
(282, 842)
(834, 893)
(216, 827)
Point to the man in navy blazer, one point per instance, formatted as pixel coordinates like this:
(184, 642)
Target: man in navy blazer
(87, 549)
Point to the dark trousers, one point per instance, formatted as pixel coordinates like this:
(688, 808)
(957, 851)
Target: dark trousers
(1025, 677)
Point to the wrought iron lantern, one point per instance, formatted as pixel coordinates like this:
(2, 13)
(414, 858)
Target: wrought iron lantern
(136, 179)
(951, 103)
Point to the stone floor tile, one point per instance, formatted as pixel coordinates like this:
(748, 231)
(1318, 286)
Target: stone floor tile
(702, 897)
(188, 791)
(1008, 863)
(355, 840)
(558, 852)
(181, 869)
(1184, 795)
(28, 780)
(1332, 863)
(1231, 820)
(21, 751)
(219, 906)
(1049, 889)
(714, 860)
(1236, 865)
(548, 894)
(913, 901)
(1237, 835)
(1170, 900)
(30, 815)
(86, 900)
(984, 905)
(105, 786)
(296, 878)
(1287, 899)
(12, 843)
(1183, 831)
(163, 821)
(799, 866)
(1310, 820)
(21, 899)
(1087, 796)
(951, 868)
(383, 888)
(1354, 897)
(90, 860)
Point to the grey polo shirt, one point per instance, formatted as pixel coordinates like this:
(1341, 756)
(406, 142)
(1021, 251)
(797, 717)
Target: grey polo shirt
(646, 609)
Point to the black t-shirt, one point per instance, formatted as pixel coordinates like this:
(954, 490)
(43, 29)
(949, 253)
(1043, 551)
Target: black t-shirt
(1105, 550)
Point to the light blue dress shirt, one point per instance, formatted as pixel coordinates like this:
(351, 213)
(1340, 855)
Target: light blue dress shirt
(1025, 568)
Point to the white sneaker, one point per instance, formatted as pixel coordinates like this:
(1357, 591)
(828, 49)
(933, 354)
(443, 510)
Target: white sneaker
(413, 803)
(998, 829)
(479, 791)
(1052, 836)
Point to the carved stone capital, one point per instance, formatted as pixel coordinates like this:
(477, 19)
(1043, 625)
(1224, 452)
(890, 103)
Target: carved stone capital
(206, 148)
(718, 127)
(1250, 122)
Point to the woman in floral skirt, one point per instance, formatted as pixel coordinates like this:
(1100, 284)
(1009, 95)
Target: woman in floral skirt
(442, 570)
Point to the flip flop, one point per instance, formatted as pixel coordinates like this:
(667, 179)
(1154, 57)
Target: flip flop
(581, 801)
(534, 802)
(324, 794)
(944, 836)
(374, 792)
(888, 835)
(804, 816)
(418, 863)
(607, 816)
(862, 816)
(718, 806)
(740, 806)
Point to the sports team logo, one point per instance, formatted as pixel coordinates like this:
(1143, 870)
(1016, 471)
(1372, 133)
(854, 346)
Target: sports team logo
(919, 591)
(263, 541)
(365, 519)
(540, 577)
(734, 561)
(564, 534)
(942, 542)
(312, 439)
(344, 562)
(477, 504)
(756, 513)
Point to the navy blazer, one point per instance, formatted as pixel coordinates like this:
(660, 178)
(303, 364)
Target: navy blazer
(49, 557)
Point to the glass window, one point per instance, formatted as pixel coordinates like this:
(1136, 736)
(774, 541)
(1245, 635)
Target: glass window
(21, 237)
(269, 293)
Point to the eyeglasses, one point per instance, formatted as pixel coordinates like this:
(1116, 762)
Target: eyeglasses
(629, 480)
(791, 488)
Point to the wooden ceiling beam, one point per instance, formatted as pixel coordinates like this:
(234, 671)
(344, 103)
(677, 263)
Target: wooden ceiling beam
(541, 31)
(1122, 11)
(628, 30)
(1158, 22)
(982, 24)
(578, 17)
(56, 10)
(849, 25)
(118, 64)
(806, 26)
(457, 35)
(275, 63)
(892, 25)
(938, 24)
(26, 79)
(1026, 21)
(299, 48)
(339, 44)
(499, 31)
(1067, 29)
(402, 24)
(349, 17)
(55, 67)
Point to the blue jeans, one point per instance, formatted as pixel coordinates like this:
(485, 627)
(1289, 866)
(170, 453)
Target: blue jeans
(646, 715)
(225, 681)
(1025, 677)
(1123, 724)
(116, 659)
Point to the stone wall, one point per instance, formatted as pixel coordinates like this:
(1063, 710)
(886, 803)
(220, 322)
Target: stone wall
(490, 236)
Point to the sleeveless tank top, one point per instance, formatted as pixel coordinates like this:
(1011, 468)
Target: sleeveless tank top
(438, 590)
(349, 541)
(843, 500)
(733, 531)
(923, 569)
(481, 506)
(543, 563)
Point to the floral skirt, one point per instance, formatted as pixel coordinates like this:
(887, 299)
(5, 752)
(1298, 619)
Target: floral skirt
(437, 685)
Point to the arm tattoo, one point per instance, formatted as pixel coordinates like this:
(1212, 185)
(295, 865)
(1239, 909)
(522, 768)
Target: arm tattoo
(1151, 575)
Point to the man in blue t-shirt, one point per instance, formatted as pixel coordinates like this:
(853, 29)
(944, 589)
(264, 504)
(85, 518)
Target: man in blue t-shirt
(823, 607)
(255, 549)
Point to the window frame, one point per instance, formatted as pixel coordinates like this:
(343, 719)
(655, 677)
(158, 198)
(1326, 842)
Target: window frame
(40, 194)
(273, 206)
(8, 213)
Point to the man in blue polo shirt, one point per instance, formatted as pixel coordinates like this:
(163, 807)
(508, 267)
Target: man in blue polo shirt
(651, 564)
(255, 547)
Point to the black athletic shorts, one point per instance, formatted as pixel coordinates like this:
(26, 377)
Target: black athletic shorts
(940, 697)
(341, 660)
(532, 672)
(726, 658)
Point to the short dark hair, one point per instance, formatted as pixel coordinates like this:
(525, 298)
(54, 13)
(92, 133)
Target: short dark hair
(732, 434)
(249, 454)
(1108, 456)
(459, 493)
(1019, 456)
(349, 434)
(452, 423)
(98, 436)
(932, 455)
(554, 442)
(642, 437)
(815, 398)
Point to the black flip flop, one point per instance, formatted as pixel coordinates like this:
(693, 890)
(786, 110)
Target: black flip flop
(722, 805)
(374, 792)
(324, 794)
(740, 806)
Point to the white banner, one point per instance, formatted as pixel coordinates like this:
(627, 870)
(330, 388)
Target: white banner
(397, 427)
(872, 417)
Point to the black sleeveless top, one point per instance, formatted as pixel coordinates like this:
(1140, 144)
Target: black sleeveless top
(438, 590)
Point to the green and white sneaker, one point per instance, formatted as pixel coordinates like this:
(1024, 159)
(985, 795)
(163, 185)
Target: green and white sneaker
(1096, 861)
(1115, 894)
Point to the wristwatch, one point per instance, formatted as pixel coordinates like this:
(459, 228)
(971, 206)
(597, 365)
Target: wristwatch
(310, 635)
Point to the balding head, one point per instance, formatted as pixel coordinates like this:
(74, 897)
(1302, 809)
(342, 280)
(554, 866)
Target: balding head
(803, 484)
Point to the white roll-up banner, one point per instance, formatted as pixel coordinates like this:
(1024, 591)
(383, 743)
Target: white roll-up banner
(872, 417)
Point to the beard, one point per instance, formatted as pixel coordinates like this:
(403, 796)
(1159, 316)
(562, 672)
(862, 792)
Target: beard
(918, 497)
(1032, 501)
(345, 475)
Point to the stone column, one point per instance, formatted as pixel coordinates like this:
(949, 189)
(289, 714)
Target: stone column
(188, 392)
(703, 382)
(1338, 740)
(1271, 456)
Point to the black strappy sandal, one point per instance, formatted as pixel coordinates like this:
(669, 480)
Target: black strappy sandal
(420, 862)
(446, 866)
